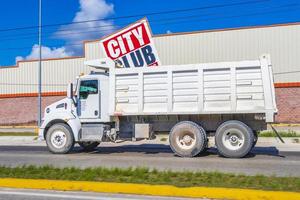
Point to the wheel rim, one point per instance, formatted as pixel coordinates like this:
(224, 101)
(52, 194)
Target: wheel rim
(233, 139)
(186, 140)
(58, 139)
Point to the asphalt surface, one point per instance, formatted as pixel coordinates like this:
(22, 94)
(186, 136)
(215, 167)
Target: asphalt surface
(21, 194)
(266, 159)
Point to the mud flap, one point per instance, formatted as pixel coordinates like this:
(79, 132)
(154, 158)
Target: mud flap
(275, 131)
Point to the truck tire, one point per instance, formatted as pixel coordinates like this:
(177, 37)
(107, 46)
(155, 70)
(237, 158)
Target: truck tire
(88, 146)
(187, 139)
(255, 139)
(60, 139)
(234, 139)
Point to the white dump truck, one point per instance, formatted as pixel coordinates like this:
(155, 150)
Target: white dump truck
(230, 100)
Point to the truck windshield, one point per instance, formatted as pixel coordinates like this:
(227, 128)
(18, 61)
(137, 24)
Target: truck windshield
(88, 87)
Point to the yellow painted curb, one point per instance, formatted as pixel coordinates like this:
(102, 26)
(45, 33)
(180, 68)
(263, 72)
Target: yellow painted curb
(36, 129)
(144, 189)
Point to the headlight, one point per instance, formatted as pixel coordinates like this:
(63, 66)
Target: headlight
(48, 110)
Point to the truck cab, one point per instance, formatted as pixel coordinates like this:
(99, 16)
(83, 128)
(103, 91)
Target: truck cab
(92, 98)
(83, 113)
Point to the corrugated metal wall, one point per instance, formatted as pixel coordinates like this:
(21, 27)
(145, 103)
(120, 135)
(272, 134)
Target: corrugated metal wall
(56, 75)
(282, 42)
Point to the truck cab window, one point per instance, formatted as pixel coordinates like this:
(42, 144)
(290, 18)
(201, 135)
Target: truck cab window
(88, 87)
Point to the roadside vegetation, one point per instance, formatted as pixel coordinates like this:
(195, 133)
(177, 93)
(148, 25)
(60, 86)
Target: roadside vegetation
(147, 176)
(18, 134)
(289, 133)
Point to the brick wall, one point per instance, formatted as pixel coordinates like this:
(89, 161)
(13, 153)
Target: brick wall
(288, 104)
(23, 110)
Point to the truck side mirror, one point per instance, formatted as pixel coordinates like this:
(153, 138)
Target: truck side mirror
(70, 91)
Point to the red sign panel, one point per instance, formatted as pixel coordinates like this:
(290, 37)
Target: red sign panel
(132, 46)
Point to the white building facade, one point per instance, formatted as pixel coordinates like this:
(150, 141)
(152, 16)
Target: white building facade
(282, 42)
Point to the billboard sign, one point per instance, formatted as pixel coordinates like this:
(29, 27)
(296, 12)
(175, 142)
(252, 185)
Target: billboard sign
(132, 46)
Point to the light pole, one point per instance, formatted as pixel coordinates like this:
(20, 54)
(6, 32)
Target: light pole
(40, 67)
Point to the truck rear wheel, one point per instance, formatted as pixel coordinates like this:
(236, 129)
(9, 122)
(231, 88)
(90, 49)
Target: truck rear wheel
(88, 146)
(60, 139)
(255, 139)
(234, 139)
(187, 139)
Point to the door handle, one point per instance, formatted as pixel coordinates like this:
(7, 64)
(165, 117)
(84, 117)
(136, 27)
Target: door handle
(96, 112)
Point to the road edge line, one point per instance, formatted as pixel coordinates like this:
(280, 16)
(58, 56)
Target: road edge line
(145, 189)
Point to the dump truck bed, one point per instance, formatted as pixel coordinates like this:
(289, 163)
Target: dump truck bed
(208, 88)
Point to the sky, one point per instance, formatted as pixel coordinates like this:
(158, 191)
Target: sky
(62, 37)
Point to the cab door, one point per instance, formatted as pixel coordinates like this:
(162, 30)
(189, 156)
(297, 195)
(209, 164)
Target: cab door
(89, 99)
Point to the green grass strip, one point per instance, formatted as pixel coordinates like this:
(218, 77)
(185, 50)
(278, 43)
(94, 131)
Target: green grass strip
(18, 134)
(147, 176)
(288, 133)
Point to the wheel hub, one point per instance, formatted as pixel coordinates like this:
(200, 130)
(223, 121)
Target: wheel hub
(186, 140)
(58, 139)
(233, 139)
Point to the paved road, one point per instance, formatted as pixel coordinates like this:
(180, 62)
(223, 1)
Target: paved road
(21, 194)
(266, 160)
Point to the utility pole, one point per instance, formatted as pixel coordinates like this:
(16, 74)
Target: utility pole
(40, 67)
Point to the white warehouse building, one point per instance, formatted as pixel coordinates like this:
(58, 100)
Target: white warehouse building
(18, 84)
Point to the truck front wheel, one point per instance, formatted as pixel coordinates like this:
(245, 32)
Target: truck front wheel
(187, 139)
(234, 139)
(60, 139)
